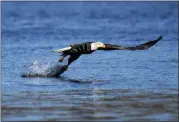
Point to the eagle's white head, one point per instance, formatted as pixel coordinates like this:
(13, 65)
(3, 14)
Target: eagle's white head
(96, 45)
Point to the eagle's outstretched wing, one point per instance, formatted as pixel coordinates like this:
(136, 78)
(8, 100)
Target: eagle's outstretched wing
(144, 46)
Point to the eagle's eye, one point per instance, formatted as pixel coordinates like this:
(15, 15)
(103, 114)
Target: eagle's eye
(100, 45)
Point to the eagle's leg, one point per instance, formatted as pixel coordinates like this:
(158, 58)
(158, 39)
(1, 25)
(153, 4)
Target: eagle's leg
(65, 67)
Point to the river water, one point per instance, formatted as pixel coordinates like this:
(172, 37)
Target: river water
(106, 85)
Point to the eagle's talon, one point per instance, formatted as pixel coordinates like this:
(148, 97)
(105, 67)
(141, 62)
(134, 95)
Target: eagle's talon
(61, 60)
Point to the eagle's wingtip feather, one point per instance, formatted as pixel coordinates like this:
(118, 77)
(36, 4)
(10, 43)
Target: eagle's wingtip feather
(159, 38)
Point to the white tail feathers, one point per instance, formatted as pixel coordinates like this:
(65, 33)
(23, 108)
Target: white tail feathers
(62, 50)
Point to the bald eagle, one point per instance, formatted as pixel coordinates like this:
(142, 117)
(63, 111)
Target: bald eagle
(76, 50)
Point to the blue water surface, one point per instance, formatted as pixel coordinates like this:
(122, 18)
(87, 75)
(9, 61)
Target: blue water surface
(106, 85)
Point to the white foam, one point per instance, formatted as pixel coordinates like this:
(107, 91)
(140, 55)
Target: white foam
(37, 69)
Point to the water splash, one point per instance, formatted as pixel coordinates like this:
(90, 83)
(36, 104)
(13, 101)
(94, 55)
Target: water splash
(37, 69)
